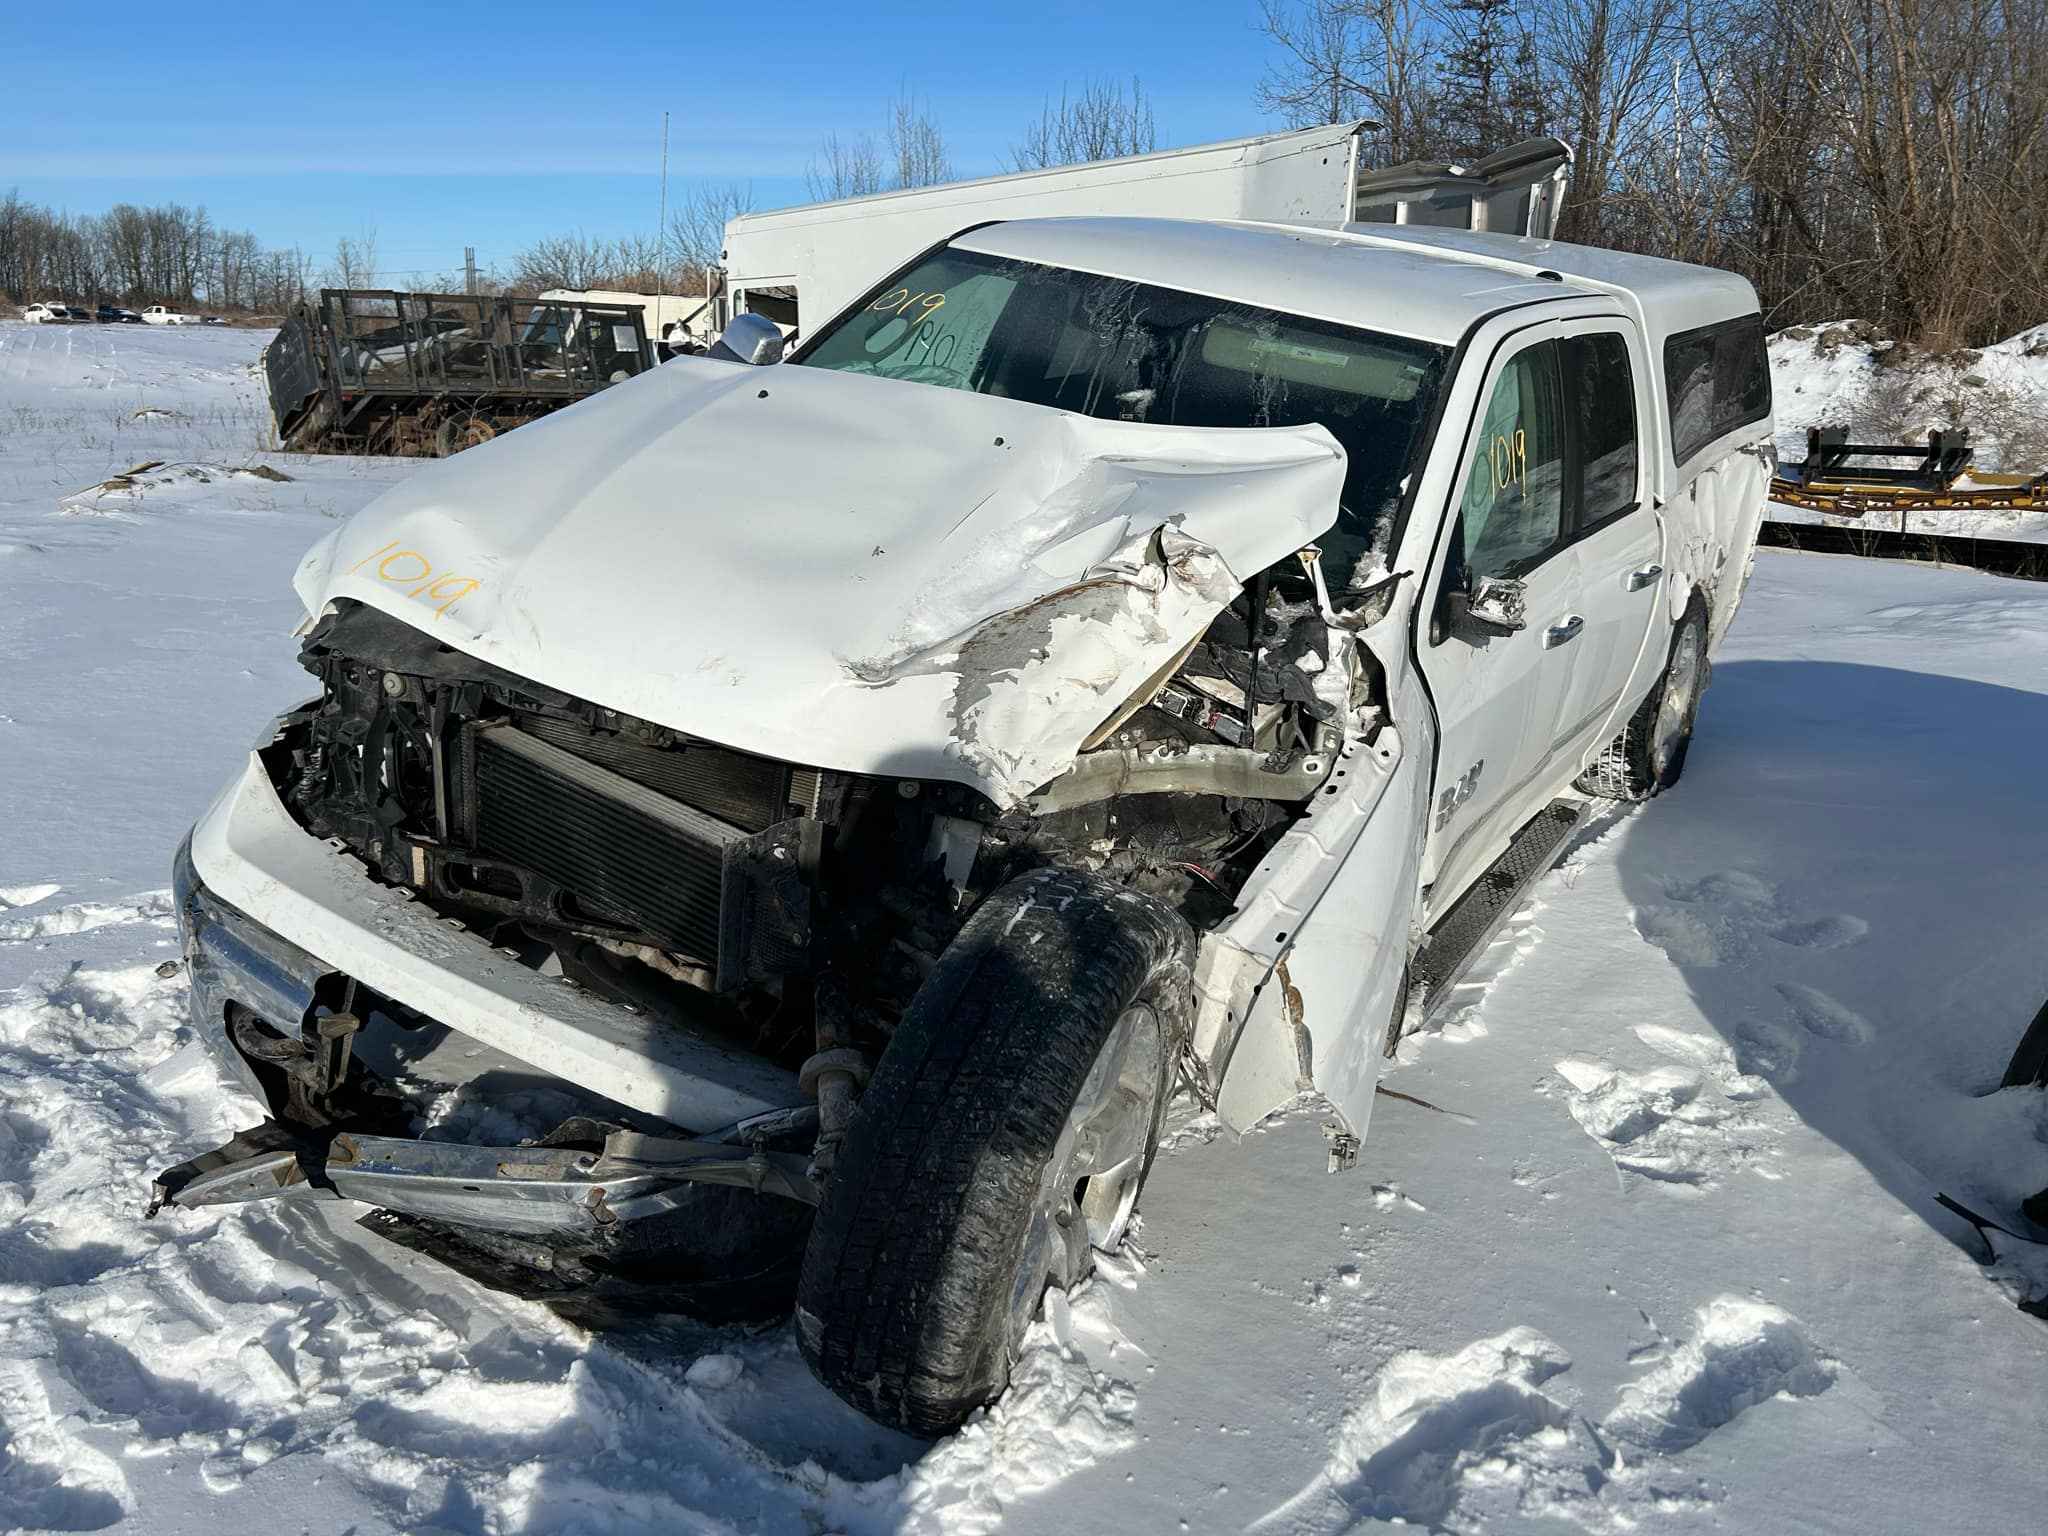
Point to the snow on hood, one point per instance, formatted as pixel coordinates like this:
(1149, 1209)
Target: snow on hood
(834, 569)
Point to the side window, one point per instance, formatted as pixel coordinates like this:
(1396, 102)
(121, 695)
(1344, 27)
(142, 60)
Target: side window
(1604, 415)
(1512, 513)
(1717, 378)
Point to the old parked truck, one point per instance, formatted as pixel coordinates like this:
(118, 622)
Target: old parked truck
(785, 831)
(429, 374)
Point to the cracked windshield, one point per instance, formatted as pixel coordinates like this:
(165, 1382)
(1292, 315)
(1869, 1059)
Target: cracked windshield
(1102, 346)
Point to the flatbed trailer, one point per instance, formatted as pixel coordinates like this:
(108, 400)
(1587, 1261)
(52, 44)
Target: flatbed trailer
(1837, 479)
(425, 375)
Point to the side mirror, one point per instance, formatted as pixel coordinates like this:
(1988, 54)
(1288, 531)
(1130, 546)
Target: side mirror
(1493, 607)
(751, 339)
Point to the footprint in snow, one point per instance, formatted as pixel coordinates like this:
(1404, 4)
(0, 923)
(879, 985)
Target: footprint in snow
(1745, 1352)
(1726, 888)
(1837, 932)
(1706, 1053)
(1435, 1435)
(1720, 917)
(1769, 1048)
(55, 1480)
(1682, 1126)
(1823, 1015)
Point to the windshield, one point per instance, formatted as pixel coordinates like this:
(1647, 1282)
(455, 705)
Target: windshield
(1128, 351)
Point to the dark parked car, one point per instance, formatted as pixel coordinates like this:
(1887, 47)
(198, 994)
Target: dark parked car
(111, 314)
(78, 313)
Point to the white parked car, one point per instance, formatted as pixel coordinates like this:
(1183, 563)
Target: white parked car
(157, 314)
(1112, 655)
(47, 313)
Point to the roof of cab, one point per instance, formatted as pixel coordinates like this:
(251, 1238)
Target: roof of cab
(1430, 284)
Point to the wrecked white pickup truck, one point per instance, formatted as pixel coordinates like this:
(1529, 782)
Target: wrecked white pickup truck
(777, 831)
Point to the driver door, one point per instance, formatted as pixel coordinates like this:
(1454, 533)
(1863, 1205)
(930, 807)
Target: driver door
(1500, 696)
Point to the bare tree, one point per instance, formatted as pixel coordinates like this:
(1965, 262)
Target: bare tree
(1097, 122)
(355, 260)
(1604, 61)
(126, 230)
(1320, 45)
(1347, 60)
(696, 230)
(911, 153)
(287, 277)
(1489, 93)
(850, 167)
(633, 264)
(916, 148)
(235, 253)
(1878, 157)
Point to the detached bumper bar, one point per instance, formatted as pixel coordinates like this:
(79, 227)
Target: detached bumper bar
(533, 1191)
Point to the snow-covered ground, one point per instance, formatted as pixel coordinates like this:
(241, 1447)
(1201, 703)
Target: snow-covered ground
(1661, 1252)
(1836, 375)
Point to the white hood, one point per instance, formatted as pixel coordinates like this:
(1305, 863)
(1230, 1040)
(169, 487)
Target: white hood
(834, 569)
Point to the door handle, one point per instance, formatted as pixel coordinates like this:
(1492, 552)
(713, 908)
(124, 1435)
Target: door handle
(1563, 631)
(1637, 580)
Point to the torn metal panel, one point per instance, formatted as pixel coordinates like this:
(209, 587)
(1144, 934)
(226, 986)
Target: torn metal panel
(1350, 864)
(926, 582)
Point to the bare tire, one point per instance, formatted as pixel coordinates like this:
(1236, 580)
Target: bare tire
(1649, 754)
(453, 435)
(1003, 1140)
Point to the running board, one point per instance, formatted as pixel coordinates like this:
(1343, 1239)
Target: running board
(1461, 935)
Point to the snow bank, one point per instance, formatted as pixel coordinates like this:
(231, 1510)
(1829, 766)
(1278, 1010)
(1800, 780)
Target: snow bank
(1848, 374)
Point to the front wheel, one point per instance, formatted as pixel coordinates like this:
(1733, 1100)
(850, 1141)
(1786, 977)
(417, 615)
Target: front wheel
(1649, 754)
(1002, 1144)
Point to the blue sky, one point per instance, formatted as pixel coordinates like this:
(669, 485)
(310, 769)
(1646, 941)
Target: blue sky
(442, 125)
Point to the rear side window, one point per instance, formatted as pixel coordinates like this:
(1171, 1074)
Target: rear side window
(1604, 416)
(1717, 378)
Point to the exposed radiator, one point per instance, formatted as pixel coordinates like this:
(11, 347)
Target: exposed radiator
(748, 791)
(623, 851)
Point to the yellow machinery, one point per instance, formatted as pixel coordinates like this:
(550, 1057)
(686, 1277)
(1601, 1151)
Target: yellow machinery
(1828, 482)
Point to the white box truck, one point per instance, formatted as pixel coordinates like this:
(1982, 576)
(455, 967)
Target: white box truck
(806, 263)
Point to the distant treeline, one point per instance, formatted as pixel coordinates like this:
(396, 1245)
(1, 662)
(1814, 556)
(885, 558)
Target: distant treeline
(1882, 159)
(169, 254)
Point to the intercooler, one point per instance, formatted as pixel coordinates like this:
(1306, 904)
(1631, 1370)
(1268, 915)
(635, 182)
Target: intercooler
(702, 849)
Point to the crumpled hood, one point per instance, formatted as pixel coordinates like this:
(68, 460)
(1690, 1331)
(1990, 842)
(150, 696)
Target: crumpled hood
(833, 569)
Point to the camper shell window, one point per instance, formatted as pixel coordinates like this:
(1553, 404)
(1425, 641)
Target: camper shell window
(1717, 378)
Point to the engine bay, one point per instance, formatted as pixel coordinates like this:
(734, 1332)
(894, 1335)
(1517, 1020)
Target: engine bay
(800, 907)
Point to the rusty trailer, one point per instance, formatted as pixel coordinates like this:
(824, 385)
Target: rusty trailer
(425, 375)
